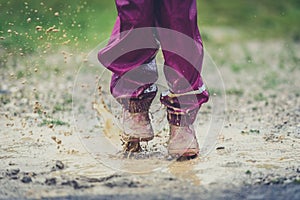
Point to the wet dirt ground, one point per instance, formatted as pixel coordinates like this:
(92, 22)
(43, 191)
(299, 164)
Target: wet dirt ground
(57, 142)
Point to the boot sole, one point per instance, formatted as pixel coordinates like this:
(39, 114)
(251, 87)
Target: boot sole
(181, 153)
(135, 139)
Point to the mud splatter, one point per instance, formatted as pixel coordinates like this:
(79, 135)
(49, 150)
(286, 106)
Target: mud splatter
(112, 129)
(131, 147)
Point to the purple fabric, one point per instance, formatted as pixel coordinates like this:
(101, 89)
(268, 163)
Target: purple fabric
(130, 54)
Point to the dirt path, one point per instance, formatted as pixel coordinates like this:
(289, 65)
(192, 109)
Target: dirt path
(49, 149)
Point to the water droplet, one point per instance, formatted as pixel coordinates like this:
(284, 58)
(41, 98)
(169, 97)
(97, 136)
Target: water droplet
(38, 28)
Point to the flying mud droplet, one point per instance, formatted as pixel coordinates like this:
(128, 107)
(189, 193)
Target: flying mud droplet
(56, 140)
(37, 108)
(66, 42)
(131, 147)
(111, 129)
(50, 29)
(39, 28)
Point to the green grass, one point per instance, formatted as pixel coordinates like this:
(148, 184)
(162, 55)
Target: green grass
(248, 172)
(297, 181)
(20, 74)
(256, 131)
(235, 91)
(271, 81)
(236, 67)
(78, 24)
(82, 24)
(58, 107)
(256, 18)
(54, 122)
(65, 106)
(215, 91)
(251, 131)
(260, 97)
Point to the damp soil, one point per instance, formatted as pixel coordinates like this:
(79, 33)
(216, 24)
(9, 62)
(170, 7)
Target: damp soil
(55, 144)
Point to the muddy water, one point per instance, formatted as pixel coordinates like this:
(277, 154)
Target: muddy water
(106, 147)
(258, 143)
(99, 124)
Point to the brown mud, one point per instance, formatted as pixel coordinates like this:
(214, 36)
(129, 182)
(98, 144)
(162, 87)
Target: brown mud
(46, 153)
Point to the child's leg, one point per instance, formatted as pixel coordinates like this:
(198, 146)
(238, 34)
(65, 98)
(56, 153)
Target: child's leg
(182, 73)
(130, 56)
(132, 65)
(183, 53)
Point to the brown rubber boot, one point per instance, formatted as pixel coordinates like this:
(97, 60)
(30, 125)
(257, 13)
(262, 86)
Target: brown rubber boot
(183, 141)
(137, 127)
(136, 122)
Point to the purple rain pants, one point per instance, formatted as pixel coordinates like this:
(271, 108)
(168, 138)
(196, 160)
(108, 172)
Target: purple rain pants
(142, 26)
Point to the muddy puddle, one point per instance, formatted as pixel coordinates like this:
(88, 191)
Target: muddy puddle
(60, 138)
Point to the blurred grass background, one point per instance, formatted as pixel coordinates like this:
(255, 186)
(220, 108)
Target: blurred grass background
(43, 26)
